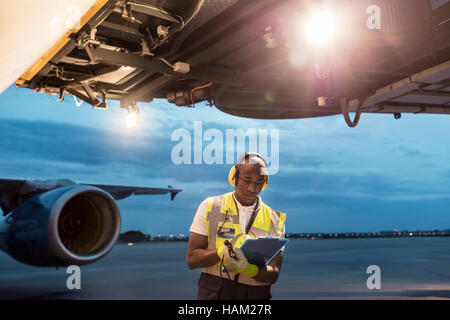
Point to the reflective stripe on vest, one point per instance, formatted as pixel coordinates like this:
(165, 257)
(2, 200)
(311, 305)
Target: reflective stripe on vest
(222, 216)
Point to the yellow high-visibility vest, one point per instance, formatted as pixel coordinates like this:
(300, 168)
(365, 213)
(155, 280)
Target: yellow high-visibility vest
(222, 223)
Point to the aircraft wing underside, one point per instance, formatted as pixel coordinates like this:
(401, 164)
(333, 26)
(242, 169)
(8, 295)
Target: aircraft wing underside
(251, 59)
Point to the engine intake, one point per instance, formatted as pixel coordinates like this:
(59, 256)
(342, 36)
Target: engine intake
(70, 225)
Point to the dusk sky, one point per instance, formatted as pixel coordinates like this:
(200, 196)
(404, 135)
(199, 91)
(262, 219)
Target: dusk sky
(381, 175)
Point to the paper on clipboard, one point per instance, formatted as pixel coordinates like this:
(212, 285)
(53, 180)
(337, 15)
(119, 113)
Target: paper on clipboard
(261, 251)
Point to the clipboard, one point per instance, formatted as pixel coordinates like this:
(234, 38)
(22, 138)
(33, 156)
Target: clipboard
(261, 251)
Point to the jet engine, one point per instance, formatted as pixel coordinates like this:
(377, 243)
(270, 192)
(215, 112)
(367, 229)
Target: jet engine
(71, 225)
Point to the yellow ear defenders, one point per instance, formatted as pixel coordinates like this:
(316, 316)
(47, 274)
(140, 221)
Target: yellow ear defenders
(234, 171)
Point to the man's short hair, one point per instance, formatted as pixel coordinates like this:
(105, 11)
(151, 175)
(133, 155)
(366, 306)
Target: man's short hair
(253, 155)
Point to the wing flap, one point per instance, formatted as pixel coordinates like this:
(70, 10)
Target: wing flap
(122, 192)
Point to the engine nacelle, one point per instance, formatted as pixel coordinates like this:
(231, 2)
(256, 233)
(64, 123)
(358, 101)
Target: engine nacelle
(72, 225)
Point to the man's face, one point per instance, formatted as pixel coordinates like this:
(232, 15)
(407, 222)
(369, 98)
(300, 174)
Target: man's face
(250, 183)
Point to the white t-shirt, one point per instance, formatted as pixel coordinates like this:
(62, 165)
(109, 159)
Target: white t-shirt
(245, 213)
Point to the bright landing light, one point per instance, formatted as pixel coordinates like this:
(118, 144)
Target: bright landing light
(132, 119)
(320, 29)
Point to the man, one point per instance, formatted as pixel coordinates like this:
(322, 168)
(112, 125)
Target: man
(235, 216)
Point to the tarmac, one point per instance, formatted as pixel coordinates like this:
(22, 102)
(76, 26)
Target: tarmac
(410, 268)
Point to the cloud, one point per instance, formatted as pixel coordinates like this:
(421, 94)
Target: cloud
(408, 151)
(51, 141)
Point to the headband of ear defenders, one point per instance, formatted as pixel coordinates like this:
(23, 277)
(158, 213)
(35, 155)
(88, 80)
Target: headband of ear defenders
(234, 172)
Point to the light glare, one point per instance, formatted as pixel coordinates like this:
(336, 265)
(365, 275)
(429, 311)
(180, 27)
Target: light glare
(54, 21)
(320, 29)
(132, 119)
(126, 68)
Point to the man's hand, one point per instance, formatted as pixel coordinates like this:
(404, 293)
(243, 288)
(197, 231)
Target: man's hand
(240, 264)
(225, 259)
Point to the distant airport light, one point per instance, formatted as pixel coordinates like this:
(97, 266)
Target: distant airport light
(320, 29)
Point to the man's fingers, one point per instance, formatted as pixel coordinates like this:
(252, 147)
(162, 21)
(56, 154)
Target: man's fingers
(242, 263)
(228, 260)
(239, 253)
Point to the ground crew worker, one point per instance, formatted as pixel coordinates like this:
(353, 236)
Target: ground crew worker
(235, 216)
